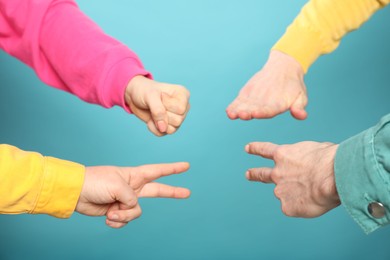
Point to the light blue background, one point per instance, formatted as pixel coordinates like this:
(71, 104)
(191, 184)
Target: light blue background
(213, 48)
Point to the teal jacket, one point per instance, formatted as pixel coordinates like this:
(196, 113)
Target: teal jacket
(362, 172)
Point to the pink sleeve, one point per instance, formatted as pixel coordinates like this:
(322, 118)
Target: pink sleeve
(68, 50)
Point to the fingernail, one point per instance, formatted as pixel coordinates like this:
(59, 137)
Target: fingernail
(247, 148)
(247, 175)
(114, 217)
(161, 126)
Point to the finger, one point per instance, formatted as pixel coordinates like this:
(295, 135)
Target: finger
(260, 174)
(152, 172)
(242, 109)
(176, 104)
(111, 223)
(298, 107)
(172, 129)
(264, 149)
(231, 114)
(152, 128)
(125, 195)
(175, 120)
(231, 110)
(158, 190)
(124, 216)
(244, 115)
(158, 111)
(114, 224)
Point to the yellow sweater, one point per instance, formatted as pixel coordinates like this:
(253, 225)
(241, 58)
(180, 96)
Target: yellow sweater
(320, 26)
(31, 183)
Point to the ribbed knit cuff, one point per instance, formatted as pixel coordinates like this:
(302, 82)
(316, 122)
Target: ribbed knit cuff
(61, 188)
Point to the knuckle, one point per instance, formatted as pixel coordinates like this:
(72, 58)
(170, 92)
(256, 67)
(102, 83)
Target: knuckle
(115, 188)
(182, 108)
(133, 201)
(286, 209)
(266, 146)
(138, 213)
(176, 122)
(259, 175)
(279, 153)
(255, 148)
(158, 112)
(278, 192)
(184, 90)
(254, 175)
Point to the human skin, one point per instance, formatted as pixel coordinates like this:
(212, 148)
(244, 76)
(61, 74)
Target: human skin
(163, 107)
(275, 89)
(114, 191)
(303, 175)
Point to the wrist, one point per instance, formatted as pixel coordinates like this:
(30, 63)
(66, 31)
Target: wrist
(136, 82)
(331, 190)
(286, 63)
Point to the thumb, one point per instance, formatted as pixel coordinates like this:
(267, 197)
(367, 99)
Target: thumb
(298, 107)
(157, 110)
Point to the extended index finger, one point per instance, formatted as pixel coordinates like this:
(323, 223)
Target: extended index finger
(264, 149)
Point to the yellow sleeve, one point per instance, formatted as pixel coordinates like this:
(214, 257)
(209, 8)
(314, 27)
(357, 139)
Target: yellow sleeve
(320, 26)
(32, 183)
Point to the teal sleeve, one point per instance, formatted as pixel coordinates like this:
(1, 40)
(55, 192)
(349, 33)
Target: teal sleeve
(362, 172)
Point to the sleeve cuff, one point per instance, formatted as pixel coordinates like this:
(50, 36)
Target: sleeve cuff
(117, 80)
(61, 188)
(301, 43)
(360, 180)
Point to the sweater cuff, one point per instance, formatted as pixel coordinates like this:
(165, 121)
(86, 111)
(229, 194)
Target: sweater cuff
(118, 78)
(61, 188)
(301, 43)
(360, 182)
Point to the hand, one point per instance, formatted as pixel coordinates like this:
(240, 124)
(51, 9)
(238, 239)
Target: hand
(163, 107)
(303, 175)
(278, 87)
(114, 191)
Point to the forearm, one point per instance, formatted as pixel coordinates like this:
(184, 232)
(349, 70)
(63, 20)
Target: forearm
(68, 50)
(362, 171)
(32, 183)
(320, 26)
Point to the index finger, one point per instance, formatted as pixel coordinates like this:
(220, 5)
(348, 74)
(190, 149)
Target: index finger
(152, 172)
(264, 149)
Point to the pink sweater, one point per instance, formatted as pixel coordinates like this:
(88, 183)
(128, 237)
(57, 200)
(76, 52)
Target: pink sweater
(67, 50)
